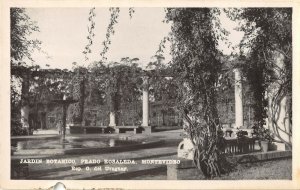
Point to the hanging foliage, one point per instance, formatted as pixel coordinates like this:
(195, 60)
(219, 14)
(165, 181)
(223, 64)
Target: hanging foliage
(114, 14)
(91, 33)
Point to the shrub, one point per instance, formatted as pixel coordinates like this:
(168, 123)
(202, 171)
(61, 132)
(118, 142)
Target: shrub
(18, 130)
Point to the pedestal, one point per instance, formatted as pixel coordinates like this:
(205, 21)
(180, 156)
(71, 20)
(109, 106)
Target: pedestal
(147, 130)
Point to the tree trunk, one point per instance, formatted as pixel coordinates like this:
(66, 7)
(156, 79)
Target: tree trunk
(25, 101)
(43, 120)
(208, 142)
(64, 120)
(82, 99)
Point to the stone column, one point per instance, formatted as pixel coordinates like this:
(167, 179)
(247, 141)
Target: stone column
(238, 93)
(145, 121)
(112, 119)
(25, 116)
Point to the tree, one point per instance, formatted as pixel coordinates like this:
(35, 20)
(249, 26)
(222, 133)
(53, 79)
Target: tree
(21, 48)
(266, 50)
(21, 27)
(197, 67)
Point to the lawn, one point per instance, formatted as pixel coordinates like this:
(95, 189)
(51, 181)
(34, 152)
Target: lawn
(276, 169)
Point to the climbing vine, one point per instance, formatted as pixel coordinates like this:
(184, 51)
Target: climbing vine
(197, 64)
(266, 50)
(114, 15)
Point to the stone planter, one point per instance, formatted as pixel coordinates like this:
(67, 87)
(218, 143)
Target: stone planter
(264, 146)
(186, 149)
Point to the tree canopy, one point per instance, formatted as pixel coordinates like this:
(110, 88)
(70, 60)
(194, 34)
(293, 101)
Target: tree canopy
(21, 27)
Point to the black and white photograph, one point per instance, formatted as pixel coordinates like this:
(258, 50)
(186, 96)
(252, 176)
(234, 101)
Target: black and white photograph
(151, 93)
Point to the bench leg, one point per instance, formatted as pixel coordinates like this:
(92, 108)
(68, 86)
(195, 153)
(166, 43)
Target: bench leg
(134, 130)
(117, 131)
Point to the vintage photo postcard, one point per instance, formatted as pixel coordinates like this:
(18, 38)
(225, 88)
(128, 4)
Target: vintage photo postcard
(152, 95)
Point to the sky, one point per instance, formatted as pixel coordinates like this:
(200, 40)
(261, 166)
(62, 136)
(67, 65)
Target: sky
(63, 32)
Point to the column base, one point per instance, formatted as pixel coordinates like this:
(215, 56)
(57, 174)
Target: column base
(147, 129)
(113, 129)
(68, 131)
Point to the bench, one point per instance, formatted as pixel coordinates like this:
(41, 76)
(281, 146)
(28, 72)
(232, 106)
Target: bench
(87, 129)
(120, 129)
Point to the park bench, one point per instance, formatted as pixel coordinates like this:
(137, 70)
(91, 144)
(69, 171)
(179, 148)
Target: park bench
(87, 129)
(134, 128)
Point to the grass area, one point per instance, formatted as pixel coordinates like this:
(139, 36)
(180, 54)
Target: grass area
(275, 169)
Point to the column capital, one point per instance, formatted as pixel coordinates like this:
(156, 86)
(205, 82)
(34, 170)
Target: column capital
(145, 82)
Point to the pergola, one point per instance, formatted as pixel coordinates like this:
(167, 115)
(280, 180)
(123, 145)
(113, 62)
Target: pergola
(239, 118)
(145, 97)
